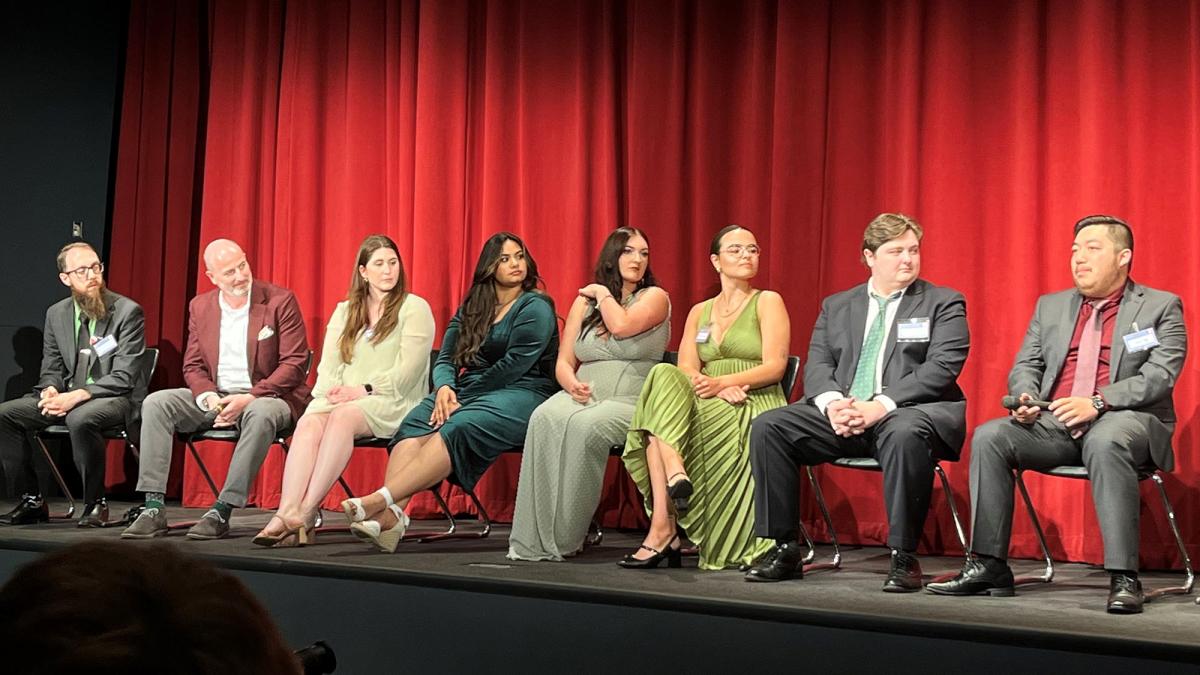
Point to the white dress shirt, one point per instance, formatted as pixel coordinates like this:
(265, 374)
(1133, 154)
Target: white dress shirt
(233, 364)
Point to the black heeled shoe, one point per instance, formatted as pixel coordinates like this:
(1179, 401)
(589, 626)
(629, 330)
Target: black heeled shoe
(672, 555)
(679, 492)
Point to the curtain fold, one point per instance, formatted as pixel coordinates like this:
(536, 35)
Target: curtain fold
(299, 127)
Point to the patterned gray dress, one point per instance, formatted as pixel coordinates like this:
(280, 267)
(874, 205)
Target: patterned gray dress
(567, 443)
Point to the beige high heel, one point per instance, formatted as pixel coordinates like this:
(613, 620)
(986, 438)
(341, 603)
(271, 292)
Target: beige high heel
(353, 508)
(385, 540)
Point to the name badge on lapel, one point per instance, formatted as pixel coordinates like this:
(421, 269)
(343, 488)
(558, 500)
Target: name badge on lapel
(702, 333)
(105, 345)
(265, 333)
(913, 330)
(1140, 340)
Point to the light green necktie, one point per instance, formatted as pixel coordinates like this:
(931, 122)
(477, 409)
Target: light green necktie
(863, 387)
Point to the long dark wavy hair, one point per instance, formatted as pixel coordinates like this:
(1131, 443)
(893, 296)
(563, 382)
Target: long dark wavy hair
(608, 274)
(356, 297)
(479, 308)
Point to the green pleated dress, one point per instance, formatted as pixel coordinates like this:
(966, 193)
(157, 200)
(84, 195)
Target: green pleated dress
(713, 439)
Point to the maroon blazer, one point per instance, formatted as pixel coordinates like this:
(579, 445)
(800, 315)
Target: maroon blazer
(277, 362)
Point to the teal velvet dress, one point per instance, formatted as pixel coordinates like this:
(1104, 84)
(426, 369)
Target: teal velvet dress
(512, 374)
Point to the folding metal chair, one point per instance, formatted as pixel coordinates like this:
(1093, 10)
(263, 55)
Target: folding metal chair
(117, 433)
(868, 464)
(1081, 473)
(230, 435)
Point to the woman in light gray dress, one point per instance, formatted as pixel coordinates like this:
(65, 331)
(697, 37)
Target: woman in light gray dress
(615, 333)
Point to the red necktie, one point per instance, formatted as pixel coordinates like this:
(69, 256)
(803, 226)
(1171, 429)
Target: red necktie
(1088, 358)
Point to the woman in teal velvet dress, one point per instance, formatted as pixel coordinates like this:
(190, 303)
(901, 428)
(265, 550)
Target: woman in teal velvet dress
(495, 366)
(688, 447)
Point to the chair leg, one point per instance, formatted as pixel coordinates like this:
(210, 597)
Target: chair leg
(58, 478)
(1048, 575)
(1190, 577)
(191, 446)
(452, 525)
(836, 562)
(812, 548)
(958, 526)
(451, 533)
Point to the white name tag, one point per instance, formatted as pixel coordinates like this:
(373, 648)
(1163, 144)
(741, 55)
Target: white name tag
(1140, 341)
(912, 330)
(703, 333)
(105, 345)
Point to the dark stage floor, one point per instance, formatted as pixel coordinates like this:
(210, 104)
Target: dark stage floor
(1067, 614)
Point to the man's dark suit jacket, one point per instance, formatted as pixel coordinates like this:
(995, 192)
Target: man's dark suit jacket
(1143, 381)
(277, 346)
(922, 375)
(117, 373)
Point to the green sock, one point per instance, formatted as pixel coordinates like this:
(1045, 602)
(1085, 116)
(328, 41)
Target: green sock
(155, 500)
(224, 509)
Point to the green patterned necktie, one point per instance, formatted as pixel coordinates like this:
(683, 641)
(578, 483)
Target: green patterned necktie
(863, 387)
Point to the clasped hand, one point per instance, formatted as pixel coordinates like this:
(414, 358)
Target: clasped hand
(344, 393)
(708, 387)
(54, 404)
(581, 392)
(1072, 411)
(229, 409)
(444, 405)
(850, 417)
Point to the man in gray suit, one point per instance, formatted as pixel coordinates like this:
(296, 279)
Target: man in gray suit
(880, 381)
(1106, 356)
(91, 380)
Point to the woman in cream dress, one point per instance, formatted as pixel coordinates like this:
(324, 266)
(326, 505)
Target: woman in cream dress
(374, 368)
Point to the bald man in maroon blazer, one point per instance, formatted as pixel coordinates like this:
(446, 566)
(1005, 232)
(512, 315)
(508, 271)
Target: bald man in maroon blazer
(245, 368)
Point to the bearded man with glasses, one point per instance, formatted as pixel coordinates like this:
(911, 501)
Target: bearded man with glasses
(90, 381)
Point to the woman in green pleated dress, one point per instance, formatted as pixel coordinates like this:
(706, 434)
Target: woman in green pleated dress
(688, 445)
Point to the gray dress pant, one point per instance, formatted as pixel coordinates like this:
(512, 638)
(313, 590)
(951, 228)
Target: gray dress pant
(85, 423)
(170, 411)
(903, 442)
(1112, 449)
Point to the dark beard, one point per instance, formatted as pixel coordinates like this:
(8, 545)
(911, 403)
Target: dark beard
(91, 306)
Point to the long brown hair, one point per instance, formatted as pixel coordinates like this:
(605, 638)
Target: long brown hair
(608, 274)
(356, 297)
(478, 310)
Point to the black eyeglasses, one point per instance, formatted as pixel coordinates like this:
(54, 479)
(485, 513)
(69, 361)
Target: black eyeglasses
(81, 272)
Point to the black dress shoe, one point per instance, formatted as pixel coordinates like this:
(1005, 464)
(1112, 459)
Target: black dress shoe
(95, 514)
(989, 576)
(1125, 595)
(31, 509)
(905, 576)
(785, 561)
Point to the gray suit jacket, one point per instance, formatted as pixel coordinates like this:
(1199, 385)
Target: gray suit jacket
(118, 373)
(1141, 381)
(923, 375)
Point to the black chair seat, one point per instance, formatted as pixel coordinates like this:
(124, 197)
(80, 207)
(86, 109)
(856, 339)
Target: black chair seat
(372, 442)
(60, 431)
(864, 463)
(228, 435)
(1081, 472)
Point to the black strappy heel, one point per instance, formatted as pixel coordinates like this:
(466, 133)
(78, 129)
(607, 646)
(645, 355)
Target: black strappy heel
(672, 555)
(679, 492)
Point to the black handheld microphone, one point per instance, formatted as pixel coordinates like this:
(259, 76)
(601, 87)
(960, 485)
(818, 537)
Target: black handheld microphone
(1014, 402)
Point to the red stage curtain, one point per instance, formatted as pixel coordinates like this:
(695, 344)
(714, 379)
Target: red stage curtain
(996, 124)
